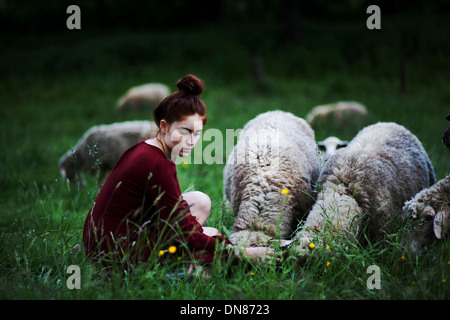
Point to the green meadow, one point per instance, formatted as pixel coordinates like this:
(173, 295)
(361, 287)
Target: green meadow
(56, 86)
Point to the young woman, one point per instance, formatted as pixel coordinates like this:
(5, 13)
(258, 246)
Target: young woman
(140, 209)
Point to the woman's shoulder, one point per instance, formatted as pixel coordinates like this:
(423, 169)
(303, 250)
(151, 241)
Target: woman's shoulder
(143, 149)
(149, 155)
(142, 156)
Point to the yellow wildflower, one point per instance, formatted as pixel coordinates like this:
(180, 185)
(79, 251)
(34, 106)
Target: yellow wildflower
(403, 258)
(184, 164)
(285, 191)
(161, 252)
(312, 245)
(172, 249)
(328, 263)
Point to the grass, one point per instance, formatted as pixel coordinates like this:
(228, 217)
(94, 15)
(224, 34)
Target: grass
(57, 86)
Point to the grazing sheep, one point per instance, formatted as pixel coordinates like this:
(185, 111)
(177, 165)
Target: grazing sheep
(269, 177)
(338, 112)
(446, 135)
(365, 186)
(101, 147)
(429, 211)
(143, 96)
(329, 146)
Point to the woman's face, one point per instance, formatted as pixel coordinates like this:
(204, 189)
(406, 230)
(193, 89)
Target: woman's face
(181, 136)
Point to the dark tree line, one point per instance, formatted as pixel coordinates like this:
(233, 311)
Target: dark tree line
(31, 15)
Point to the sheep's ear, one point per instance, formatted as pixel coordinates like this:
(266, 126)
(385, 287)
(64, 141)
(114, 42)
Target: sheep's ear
(440, 220)
(428, 212)
(63, 173)
(343, 144)
(321, 146)
(448, 117)
(284, 244)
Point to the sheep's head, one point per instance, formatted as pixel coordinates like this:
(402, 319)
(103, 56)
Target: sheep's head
(68, 169)
(250, 238)
(446, 135)
(333, 218)
(301, 246)
(330, 145)
(428, 226)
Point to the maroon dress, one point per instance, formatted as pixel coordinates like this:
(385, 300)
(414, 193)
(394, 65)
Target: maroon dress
(140, 211)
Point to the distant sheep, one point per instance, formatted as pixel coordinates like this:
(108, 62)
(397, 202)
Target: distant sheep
(446, 135)
(269, 177)
(101, 147)
(329, 146)
(338, 112)
(365, 186)
(143, 96)
(429, 212)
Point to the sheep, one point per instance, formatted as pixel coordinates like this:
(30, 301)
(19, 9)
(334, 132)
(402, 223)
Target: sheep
(364, 187)
(329, 146)
(446, 135)
(429, 212)
(143, 96)
(339, 112)
(101, 147)
(269, 177)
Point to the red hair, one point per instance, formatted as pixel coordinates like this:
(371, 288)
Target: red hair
(182, 103)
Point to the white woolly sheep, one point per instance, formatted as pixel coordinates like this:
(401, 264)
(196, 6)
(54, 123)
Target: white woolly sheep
(269, 177)
(429, 212)
(339, 112)
(365, 186)
(143, 96)
(101, 147)
(329, 146)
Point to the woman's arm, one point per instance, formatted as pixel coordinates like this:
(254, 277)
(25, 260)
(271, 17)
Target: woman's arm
(175, 211)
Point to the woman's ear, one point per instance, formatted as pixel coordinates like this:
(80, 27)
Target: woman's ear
(163, 125)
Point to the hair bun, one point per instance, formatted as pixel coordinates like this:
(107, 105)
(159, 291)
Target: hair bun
(190, 85)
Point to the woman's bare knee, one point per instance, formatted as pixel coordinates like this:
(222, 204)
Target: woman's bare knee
(199, 204)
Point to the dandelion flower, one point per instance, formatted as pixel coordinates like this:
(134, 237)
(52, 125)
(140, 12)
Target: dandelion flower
(328, 263)
(184, 164)
(285, 191)
(172, 249)
(161, 252)
(328, 247)
(403, 258)
(312, 245)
